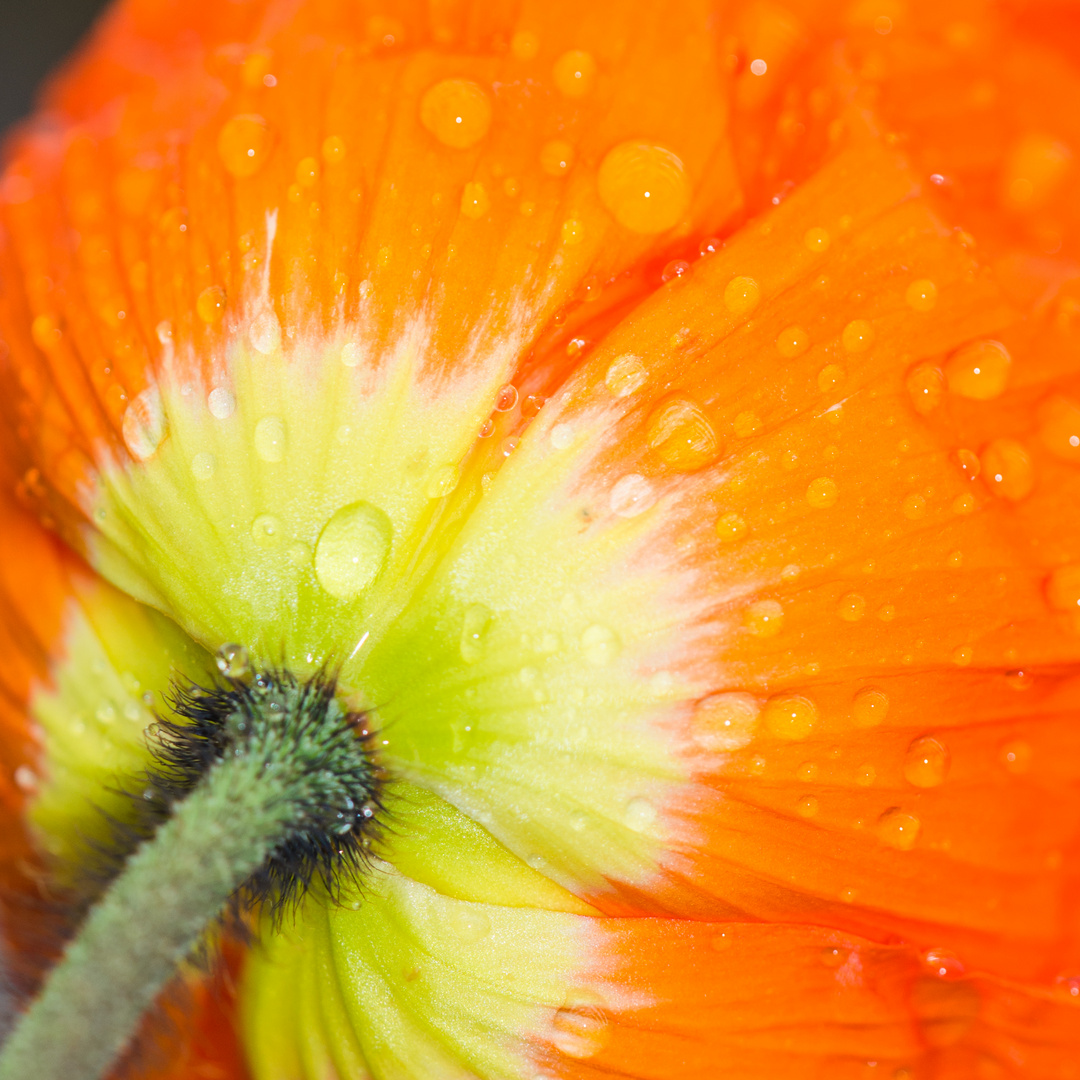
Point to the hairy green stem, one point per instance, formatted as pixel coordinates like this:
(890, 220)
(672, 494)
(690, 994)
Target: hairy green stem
(261, 792)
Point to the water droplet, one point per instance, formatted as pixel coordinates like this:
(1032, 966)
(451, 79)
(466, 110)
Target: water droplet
(790, 716)
(443, 481)
(352, 549)
(487, 429)
(457, 112)
(817, 240)
(851, 607)
(581, 1028)
(979, 370)
(474, 626)
(830, 377)
(833, 957)
(681, 434)
(822, 493)
(724, 722)
(1016, 755)
(914, 507)
(1063, 591)
(746, 424)
(508, 446)
(1007, 469)
(267, 531)
(469, 923)
(144, 425)
(210, 304)
(626, 375)
(765, 618)
(869, 707)
(858, 336)
(105, 713)
(221, 403)
(792, 342)
(25, 778)
(202, 466)
(524, 45)
(1019, 680)
(741, 295)
(599, 645)
(574, 73)
(630, 496)
(943, 963)
(730, 527)
(351, 354)
(807, 806)
(562, 436)
(926, 763)
(573, 232)
(506, 398)
(898, 829)
(270, 438)
(233, 660)
(921, 295)
(925, 386)
(1059, 427)
(265, 332)
(164, 332)
(556, 157)
(644, 187)
(244, 144)
(333, 149)
(640, 815)
(475, 201)
(865, 775)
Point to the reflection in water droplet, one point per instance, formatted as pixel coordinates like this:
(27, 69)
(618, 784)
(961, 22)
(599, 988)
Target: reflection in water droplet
(352, 549)
(979, 370)
(830, 376)
(626, 375)
(640, 815)
(926, 763)
(869, 707)
(681, 434)
(233, 660)
(599, 645)
(144, 426)
(581, 1028)
(898, 829)
(506, 398)
(221, 403)
(790, 716)
(644, 187)
(630, 496)
(457, 112)
(473, 628)
(270, 438)
(210, 304)
(724, 722)
(267, 531)
(475, 201)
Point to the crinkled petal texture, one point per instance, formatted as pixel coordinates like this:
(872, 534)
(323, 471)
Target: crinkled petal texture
(721, 638)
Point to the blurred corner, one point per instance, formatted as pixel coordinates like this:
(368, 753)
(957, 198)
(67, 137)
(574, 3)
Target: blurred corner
(35, 35)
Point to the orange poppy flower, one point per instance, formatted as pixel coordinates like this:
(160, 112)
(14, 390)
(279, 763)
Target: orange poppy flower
(664, 419)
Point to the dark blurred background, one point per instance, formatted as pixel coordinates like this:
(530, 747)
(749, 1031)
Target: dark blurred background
(34, 36)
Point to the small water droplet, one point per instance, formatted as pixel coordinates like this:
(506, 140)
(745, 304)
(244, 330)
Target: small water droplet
(829, 377)
(764, 618)
(210, 304)
(25, 778)
(442, 481)
(475, 201)
(741, 295)
(792, 341)
(1059, 427)
(898, 829)
(333, 149)
(921, 295)
(807, 806)
(264, 333)
(832, 957)
(790, 716)
(1007, 469)
(858, 336)
(626, 375)
(164, 332)
(979, 370)
(581, 1028)
(644, 187)
(926, 387)
(508, 446)
(630, 496)
(524, 45)
(817, 240)
(244, 144)
(851, 607)
(574, 73)
(233, 660)
(469, 923)
(640, 815)
(562, 436)
(681, 434)
(599, 645)
(473, 628)
(730, 527)
(221, 403)
(725, 722)
(144, 425)
(267, 531)
(457, 112)
(822, 493)
(913, 507)
(1016, 755)
(943, 963)
(352, 549)
(203, 465)
(926, 763)
(506, 398)
(556, 157)
(270, 439)
(869, 707)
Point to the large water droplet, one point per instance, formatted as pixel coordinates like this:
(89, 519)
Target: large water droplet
(581, 1028)
(457, 112)
(725, 722)
(599, 645)
(682, 434)
(979, 370)
(352, 550)
(926, 763)
(473, 628)
(144, 424)
(233, 660)
(630, 496)
(270, 439)
(644, 187)
(244, 144)
(822, 493)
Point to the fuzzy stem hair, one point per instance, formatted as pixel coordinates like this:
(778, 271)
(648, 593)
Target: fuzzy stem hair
(261, 775)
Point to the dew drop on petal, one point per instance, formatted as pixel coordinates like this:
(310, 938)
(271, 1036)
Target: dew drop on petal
(599, 645)
(741, 295)
(1059, 427)
(978, 370)
(524, 45)
(574, 73)
(898, 829)
(351, 354)
(1007, 469)
(822, 493)
(221, 403)
(265, 332)
(562, 436)
(506, 398)
(474, 626)
(807, 806)
(1015, 755)
(746, 424)
(724, 722)
(730, 527)
(869, 707)
(921, 295)
(232, 660)
(267, 531)
(857, 336)
(644, 187)
(625, 375)
(469, 923)
(817, 240)
(203, 465)
(270, 439)
(789, 716)
(764, 618)
(457, 112)
(581, 1027)
(681, 434)
(442, 481)
(556, 157)
(210, 304)
(640, 815)
(829, 377)
(144, 425)
(244, 144)
(475, 202)
(851, 607)
(352, 549)
(926, 763)
(913, 507)
(926, 387)
(631, 495)
(792, 341)
(942, 963)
